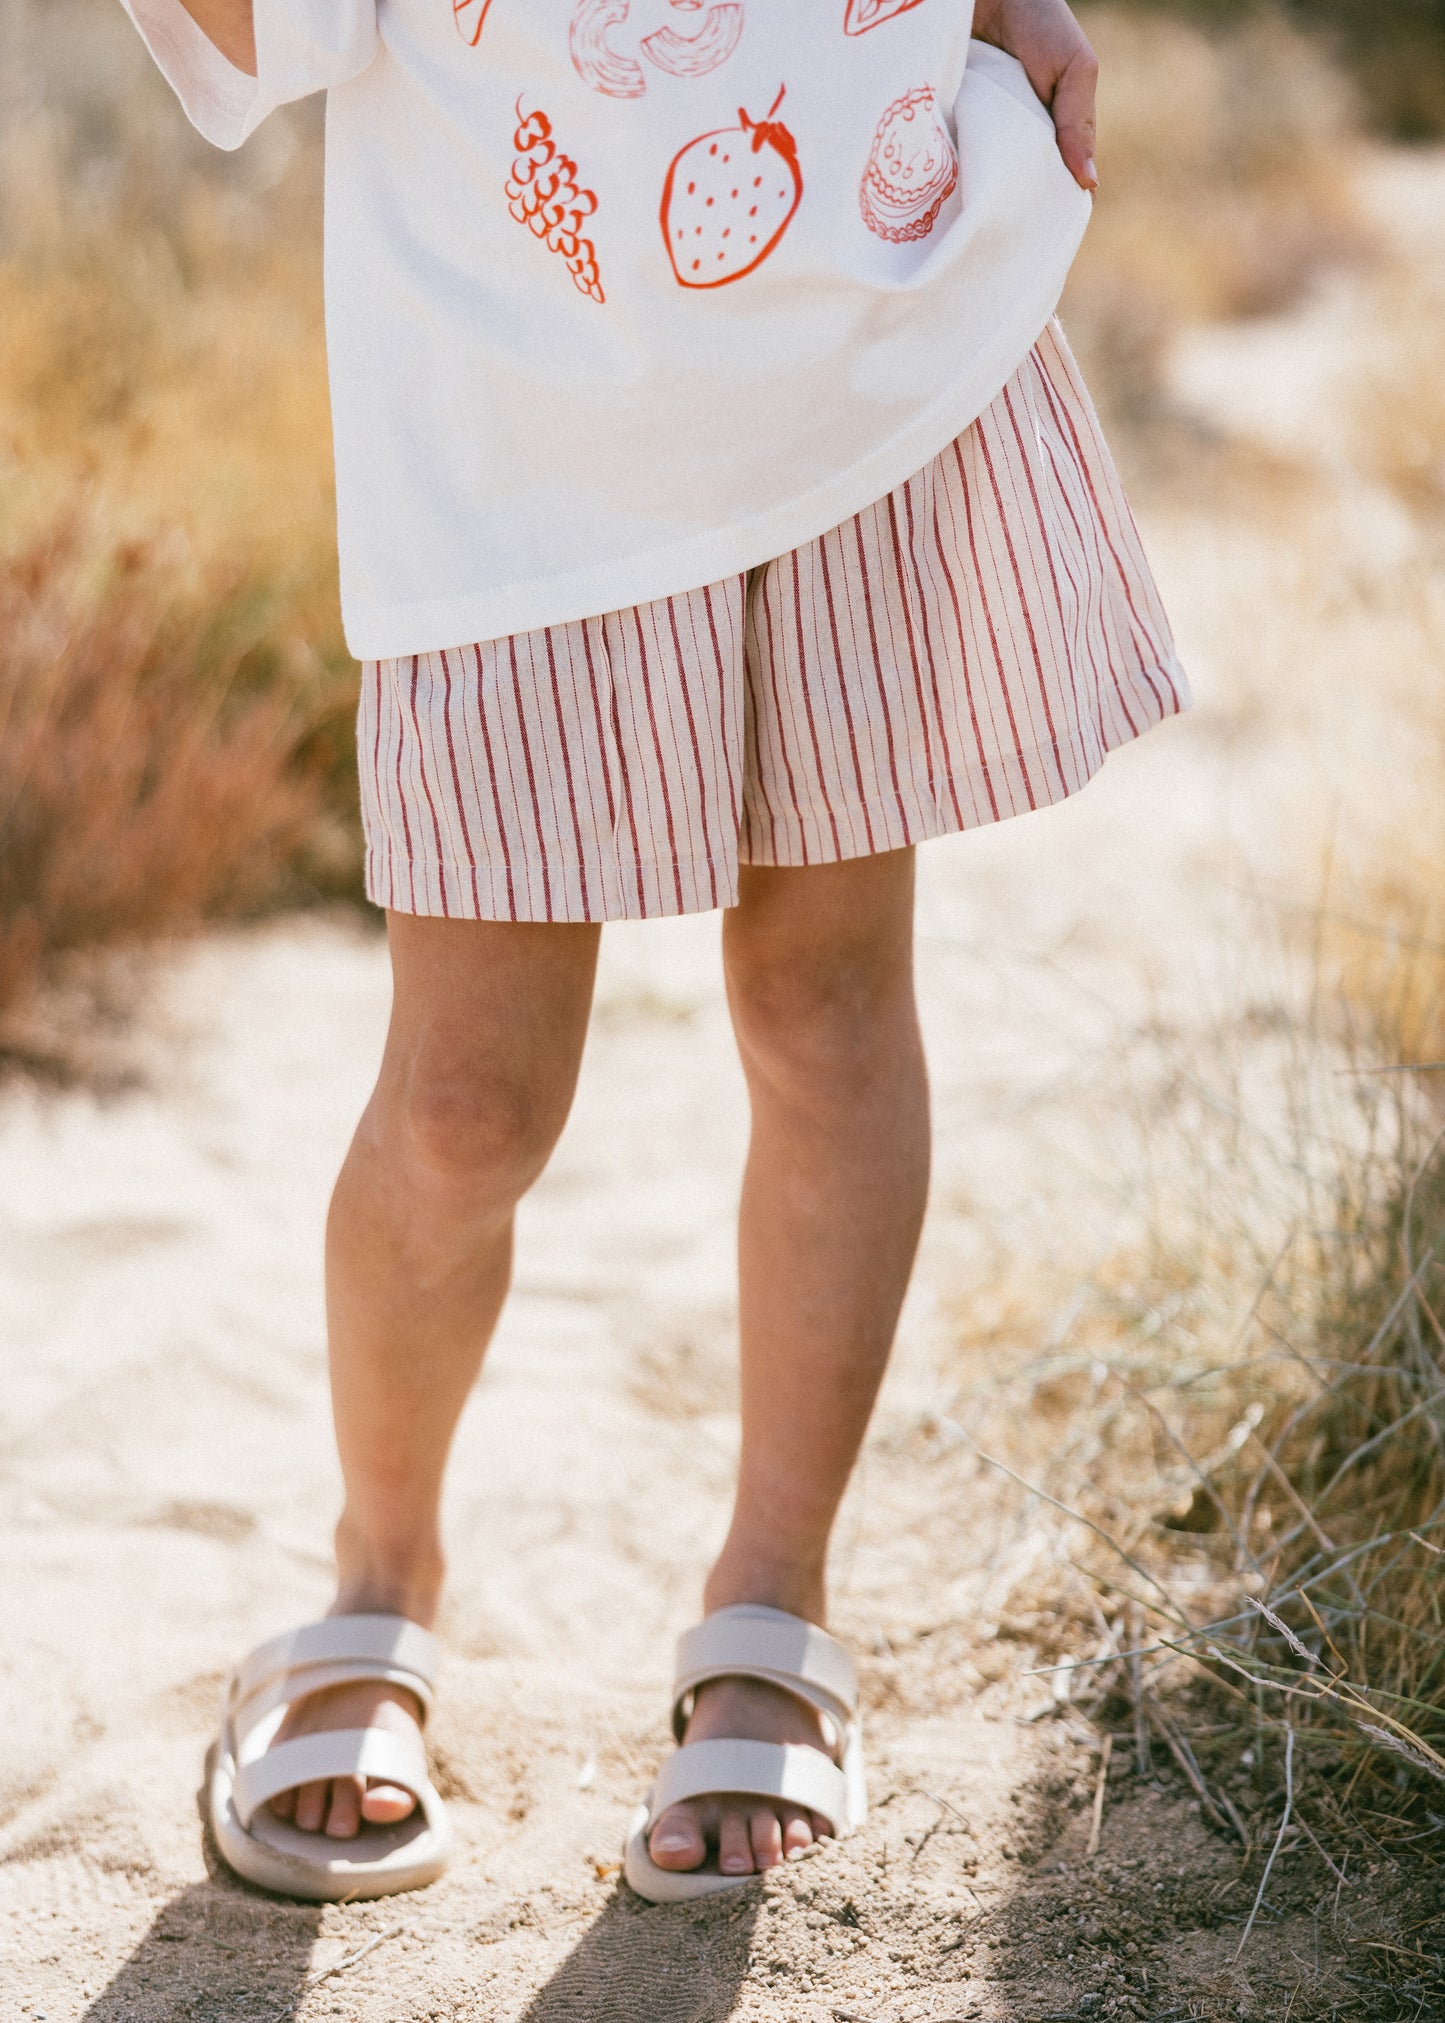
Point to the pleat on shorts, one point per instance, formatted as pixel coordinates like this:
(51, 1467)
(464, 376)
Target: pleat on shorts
(969, 648)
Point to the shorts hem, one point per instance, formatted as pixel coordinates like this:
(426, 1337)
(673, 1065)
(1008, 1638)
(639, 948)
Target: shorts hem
(925, 823)
(500, 892)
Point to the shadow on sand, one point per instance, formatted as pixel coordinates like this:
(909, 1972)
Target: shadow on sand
(653, 1963)
(216, 1950)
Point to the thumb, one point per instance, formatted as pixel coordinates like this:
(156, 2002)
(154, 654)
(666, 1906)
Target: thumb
(1075, 110)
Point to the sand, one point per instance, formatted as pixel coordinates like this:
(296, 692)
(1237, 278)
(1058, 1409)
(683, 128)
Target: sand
(168, 1484)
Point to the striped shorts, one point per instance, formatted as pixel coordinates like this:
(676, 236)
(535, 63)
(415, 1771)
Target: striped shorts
(968, 648)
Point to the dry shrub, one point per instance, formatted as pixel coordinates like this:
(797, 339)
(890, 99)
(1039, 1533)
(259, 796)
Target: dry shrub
(1244, 1415)
(158, 767)
(1226, 160)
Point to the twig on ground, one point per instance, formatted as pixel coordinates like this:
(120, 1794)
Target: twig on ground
(1097, 1824)
(1184, 1756)
(1136, 1693)
(342, 1966)
(1278, 1839)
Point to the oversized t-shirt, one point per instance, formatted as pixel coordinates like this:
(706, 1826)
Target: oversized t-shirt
(625, 296)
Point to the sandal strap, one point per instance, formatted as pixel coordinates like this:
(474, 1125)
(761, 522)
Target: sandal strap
(749, 1641)
(341, 1650)
(338, 1752)
(790, 1772)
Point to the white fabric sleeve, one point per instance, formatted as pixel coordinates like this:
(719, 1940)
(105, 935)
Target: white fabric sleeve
(301, 46)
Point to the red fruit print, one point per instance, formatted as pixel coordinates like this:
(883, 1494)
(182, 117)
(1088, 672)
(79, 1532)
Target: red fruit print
(865, 14)
(544, 195)
(471, 18)
(728, 199)
(912, 169)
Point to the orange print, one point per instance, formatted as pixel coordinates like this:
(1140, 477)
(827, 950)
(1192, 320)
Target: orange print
(471, 18)
(599, 62)
(865, 14)
(912, 169)
(728, 199)
(543, 194)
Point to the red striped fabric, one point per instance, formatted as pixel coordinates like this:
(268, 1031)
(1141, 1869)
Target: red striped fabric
(969, 648)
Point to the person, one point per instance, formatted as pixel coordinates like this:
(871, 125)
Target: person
(722, 515)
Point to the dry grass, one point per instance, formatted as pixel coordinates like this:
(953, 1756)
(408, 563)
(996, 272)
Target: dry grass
(158, 767)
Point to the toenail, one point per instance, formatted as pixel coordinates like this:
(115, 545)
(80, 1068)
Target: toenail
(672, 1843)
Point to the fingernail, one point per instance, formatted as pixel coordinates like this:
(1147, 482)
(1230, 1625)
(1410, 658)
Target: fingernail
(1091, 173)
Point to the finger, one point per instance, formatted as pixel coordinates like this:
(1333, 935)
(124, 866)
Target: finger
(734, 1849)
(1075, 110)
(311, 1803)
(343, 1820)
(797, 1833)
(677, 1840)
(766, 1833)
(387, 1804)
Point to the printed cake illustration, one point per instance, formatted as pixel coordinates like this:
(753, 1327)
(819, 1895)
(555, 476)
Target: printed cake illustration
(912, 169)
(728, 199)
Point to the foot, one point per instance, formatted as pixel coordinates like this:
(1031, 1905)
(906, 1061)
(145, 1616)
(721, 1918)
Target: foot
(340, 1807)
(745, 1834)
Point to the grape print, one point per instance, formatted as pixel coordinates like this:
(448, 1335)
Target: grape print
(543, 194)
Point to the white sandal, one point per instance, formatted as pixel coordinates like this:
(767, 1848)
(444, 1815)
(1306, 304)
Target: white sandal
(247, 1767)
(748, 1642)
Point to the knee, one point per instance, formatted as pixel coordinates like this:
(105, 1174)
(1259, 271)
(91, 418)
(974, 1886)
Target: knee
(475, 1132)
(822, 1026)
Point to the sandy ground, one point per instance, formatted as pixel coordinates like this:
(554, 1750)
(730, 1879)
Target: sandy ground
(167, 1482)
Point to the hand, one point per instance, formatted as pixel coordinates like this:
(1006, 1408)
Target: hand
(1061, 67)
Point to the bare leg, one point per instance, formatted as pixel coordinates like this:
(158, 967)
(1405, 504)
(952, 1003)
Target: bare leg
(487, 1028)
(820, 980)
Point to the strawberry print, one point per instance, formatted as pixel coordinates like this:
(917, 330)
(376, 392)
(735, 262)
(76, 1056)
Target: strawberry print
(471, 18)
(912, 169)
(543, 194)
(865, 14)
(728, 199)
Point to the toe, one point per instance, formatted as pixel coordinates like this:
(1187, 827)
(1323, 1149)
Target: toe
(311, 1807)
(798, 1833)
(343, 1819)
(677, 1840)
(734, 1845)
(387, 1804)
(284, 1805)
(765, 1830)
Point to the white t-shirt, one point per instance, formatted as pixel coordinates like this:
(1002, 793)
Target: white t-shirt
(625, 296)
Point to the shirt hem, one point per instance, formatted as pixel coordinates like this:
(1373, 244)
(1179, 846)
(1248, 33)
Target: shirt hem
(396, 632)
